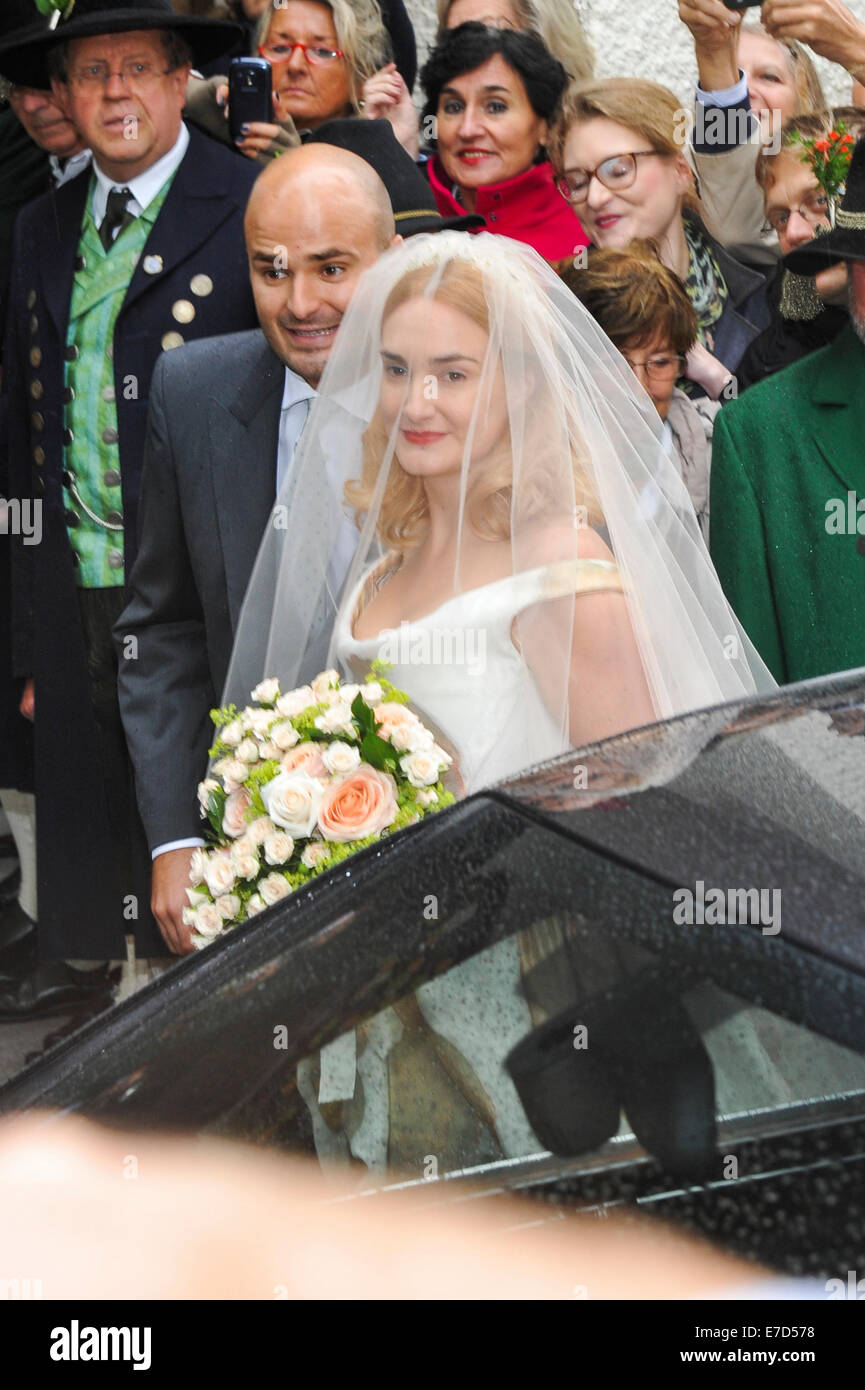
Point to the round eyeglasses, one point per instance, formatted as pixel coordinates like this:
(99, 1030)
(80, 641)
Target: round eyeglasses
(660, 367)
(616, 173)
(281, 52)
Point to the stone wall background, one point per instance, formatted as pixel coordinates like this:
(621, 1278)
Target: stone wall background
(643, 40)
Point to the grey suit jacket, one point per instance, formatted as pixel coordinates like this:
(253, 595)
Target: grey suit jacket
(207, 491)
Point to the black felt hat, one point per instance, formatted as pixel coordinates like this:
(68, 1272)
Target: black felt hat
(20, 22)
(24, 60)
(412, 199)
(846, 240)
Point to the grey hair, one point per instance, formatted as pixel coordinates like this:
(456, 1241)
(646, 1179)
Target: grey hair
(557, 24)
(177, 54)
(360, 33)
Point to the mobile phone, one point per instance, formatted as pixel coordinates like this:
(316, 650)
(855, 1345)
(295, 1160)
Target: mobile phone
(249, 93)
(742, 4)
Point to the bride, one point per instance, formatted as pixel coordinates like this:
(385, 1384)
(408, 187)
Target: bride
(482, 499)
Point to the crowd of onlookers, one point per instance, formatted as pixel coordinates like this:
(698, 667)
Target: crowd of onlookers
(719, 243)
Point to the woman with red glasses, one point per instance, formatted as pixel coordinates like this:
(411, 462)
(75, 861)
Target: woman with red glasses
(330, 58)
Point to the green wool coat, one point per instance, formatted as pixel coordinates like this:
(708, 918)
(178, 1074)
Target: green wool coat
(788, 512)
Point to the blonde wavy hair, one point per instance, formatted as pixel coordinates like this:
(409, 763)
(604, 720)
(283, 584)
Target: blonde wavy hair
(647, 108)
(404, 514)
(360, 33)
(556, 23)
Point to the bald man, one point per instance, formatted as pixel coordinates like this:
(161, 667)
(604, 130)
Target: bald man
(225, 417)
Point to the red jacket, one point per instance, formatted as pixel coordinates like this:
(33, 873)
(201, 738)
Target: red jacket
(527, 208)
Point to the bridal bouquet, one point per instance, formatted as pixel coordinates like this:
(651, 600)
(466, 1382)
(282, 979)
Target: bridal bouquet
(300, 781)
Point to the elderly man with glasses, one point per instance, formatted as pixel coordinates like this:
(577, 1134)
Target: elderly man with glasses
(124, 263)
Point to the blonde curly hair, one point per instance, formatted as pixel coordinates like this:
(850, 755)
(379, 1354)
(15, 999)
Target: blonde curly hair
(404, 513)
(360, 33)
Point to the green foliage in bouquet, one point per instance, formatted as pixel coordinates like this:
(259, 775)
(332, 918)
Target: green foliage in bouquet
(300, 782)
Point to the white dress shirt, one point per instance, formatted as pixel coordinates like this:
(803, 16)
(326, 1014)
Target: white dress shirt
(143, 187)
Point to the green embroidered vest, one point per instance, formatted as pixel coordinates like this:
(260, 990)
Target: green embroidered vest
(94, 516)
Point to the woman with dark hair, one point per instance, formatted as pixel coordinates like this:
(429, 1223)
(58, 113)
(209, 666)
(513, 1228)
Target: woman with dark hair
(493, 94)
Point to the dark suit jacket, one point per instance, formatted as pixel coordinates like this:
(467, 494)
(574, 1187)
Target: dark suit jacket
(783, 453)
(208, 490)
(199, 231)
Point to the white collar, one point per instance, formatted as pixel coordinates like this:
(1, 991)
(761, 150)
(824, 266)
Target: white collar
(74, 165)
(295, 389)
(144, 187)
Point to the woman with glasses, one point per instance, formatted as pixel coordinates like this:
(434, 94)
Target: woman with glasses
(491, 95)
(330, 58)
(555, 22)
(646, 313)
(617, 149)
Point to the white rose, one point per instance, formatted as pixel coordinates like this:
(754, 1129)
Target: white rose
(205, 790)
(245, 845)
(411, 738)
(444, 758)
(208, 920)
(340, 757)
(348, 693)
(371, 693)
(284, 735)
(234, 814)
(266, 691)
(248, 751)
(315, 854)
(228, 906)
(232, 733)
(197, 865)
(295, 701)
(324, 681)
(247, 867)
(219, 875)
(421, 768)
(189, 916)
(195, 897)
(336, 720)
(258, 721)
(269, 750)
(292, 800)
(278, 848)
(274, 887)
(258, 831)
(255, 904)
(426, 797)
(233, 773)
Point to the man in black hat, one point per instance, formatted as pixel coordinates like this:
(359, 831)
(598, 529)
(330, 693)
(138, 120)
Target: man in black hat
(788, 482)
(123, 265)
(224, 421)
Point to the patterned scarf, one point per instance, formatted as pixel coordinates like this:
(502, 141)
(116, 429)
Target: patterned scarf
(707, 289)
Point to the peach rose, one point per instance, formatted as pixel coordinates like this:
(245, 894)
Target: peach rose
(363, 803)
(234, 815)
(306, 757)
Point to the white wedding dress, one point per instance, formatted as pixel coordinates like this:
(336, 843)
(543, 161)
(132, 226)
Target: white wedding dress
(483, 699)
(461, 669)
